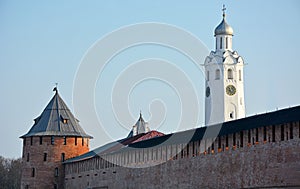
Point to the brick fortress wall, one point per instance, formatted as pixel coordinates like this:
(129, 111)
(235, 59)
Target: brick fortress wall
(263, 157)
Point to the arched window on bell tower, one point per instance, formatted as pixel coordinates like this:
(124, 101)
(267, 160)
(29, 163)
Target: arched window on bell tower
(217, 74)
(229, 74)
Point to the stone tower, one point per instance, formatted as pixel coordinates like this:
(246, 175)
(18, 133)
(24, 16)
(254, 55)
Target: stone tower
(54, 137)
(224, 98)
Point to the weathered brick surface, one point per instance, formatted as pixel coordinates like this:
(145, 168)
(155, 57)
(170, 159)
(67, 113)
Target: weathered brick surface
(44, 177)
(264, 165)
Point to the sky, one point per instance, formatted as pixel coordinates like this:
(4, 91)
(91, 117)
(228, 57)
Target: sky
(45, 42)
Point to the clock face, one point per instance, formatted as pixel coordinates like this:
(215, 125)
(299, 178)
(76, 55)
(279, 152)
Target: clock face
(230, 90)
(207, 92)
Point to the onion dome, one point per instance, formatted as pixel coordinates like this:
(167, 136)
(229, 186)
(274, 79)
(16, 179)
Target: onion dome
(223, 28)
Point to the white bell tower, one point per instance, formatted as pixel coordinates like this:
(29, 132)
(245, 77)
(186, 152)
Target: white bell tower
(224, 69)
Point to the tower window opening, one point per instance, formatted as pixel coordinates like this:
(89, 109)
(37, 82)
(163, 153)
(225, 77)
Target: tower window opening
(56, 173)
(31, 141)
(221, 43)
(33, 172)
(65, 140)
(82, 141)
(45, 156)
(41, 140)
(231, 115)
(207, 75)
(52, 140)
(240, 75)
(75, 141)
(27, 186)
(27, 159)
(230, 74)
(226, 40)
(282, 132)
(217, 74)
(62, 156)
(55, 186)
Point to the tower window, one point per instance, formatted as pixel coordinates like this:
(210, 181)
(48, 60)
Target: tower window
(41, 140)
(221, 43)
(65, 140)
(230, 74)
(45, 156)
(75, 141)
(27, 186)
(207, 75)
(217, 74)
(226, 39)
(33, 172)
(52, 140)
(231, 115)
(240, 75)
(55, 186)
(27, 157)
(62, 156)
(82, 141)
(31, 140)
(56, 173)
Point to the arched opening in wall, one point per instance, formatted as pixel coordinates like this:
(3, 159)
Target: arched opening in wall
(62, 156)
(33, 172)
(82, 141)
(31, 140)
(219, 144)
(41, 140)
(56, 172)
(241, 139)
(291, 131)
(282, 132)
(226, 40)
(75, 141)
(226, 143)
(240, 75)
(65, 140)
(221, 43)
(45, 156)
(273, 133)
(249, 137)
(230, 74)
(265, 134)
(256, 136)
(217, 75)
(234, 140)
(207, 75)
(52, 140)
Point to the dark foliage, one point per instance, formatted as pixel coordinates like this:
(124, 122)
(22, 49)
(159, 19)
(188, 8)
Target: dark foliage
(10, 173)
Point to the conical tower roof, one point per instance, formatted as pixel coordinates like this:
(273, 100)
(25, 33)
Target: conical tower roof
(56, 120)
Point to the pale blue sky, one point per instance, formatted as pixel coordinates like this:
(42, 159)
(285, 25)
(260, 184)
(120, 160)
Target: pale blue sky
(42, 43)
